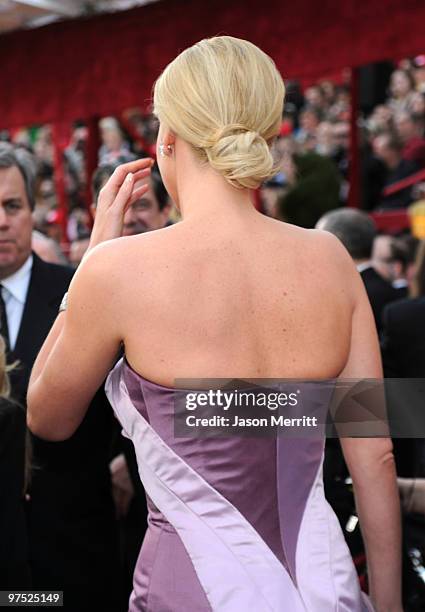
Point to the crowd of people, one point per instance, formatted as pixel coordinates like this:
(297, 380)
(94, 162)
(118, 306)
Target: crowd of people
(82, 524)
(313, 154)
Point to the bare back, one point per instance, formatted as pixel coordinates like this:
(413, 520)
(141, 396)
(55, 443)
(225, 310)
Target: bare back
(258, 298)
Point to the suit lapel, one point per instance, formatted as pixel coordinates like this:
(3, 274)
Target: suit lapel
(39, 313)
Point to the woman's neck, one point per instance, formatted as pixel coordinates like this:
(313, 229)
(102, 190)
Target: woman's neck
(205, 194)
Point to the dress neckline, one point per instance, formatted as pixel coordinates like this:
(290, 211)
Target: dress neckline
(147, 380)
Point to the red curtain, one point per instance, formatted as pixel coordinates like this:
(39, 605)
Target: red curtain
(104, 64)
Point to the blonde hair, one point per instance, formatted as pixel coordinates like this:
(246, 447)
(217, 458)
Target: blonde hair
(224, 96)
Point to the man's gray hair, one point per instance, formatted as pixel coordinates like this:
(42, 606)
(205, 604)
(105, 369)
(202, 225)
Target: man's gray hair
(355, 228)
(15, 156)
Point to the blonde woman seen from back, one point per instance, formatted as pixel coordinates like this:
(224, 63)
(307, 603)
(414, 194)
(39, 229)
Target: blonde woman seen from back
(236, 523)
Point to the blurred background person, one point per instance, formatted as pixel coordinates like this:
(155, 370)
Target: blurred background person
(47, 248)
(389, 149)
(357, 232)
(115, 149)
(70, 515)
(403, 356)
(410, 130)
(392, 258)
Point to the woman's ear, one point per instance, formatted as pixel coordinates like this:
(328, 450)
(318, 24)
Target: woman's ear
(168, 138)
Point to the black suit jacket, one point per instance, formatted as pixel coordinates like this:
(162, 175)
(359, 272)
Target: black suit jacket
(403, 355)
(403, 338)
(47, 285)
(14, 569)
(379, 292)
(71, 519)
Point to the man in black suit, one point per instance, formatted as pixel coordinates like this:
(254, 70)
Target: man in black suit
(403, 355)
(393, 258)
(357, 232)
(70, 513)
(403, 338)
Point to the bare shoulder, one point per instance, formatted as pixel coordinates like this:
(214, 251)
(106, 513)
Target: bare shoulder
(318, 252)
(118, 257)
(322, 246)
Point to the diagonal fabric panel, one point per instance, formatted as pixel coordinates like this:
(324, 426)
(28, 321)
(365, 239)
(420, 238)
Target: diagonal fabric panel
(321, 549)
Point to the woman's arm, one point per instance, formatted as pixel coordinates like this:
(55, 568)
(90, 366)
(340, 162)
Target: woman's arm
(372, 468)
(84, 341)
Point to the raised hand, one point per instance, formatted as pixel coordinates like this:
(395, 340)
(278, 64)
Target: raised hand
(117, 195)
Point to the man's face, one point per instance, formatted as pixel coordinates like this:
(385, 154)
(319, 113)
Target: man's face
(381, 257)
(16, 222)
(145, 214)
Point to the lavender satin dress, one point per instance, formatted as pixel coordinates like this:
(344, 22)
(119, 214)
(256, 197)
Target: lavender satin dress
(235, 524)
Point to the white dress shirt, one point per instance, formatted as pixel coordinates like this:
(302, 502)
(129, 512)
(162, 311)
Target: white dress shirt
(365, 265)
(15, 289)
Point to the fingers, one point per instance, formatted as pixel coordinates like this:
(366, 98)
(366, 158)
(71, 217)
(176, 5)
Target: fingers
(128, 194)
(120, 173)
(141, 174)
(124, 193)
(139, 169)
(138, 193)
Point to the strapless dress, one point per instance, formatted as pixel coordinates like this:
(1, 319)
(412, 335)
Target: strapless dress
(235, 524)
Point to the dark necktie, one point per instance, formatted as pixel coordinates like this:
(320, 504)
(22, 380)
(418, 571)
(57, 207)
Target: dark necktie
(4, 328)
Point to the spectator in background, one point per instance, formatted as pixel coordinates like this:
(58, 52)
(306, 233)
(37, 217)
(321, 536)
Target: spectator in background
(70, 514)
(373, 173)
(315, 190)
(115, 149)
(410, 130)
(403, 338)
(393, 258)
(380, 120)
(340, 153)
(310, 118)
(357, 232)
(419, 73)
(325, 139)
(328, 90)
(388, 148)
(47, 248)
(314, 98)
(340, 109)
(411, 244)
(417, 106)
(402, 88)
(77, 250)
(403, 356)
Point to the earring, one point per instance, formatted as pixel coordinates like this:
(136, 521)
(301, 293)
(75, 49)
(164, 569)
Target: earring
(162, 148)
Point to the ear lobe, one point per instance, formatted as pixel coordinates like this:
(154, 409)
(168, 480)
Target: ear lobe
(168, 138)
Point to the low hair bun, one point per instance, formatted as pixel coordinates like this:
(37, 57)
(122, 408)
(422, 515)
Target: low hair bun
(224, 97)
(241, 155)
